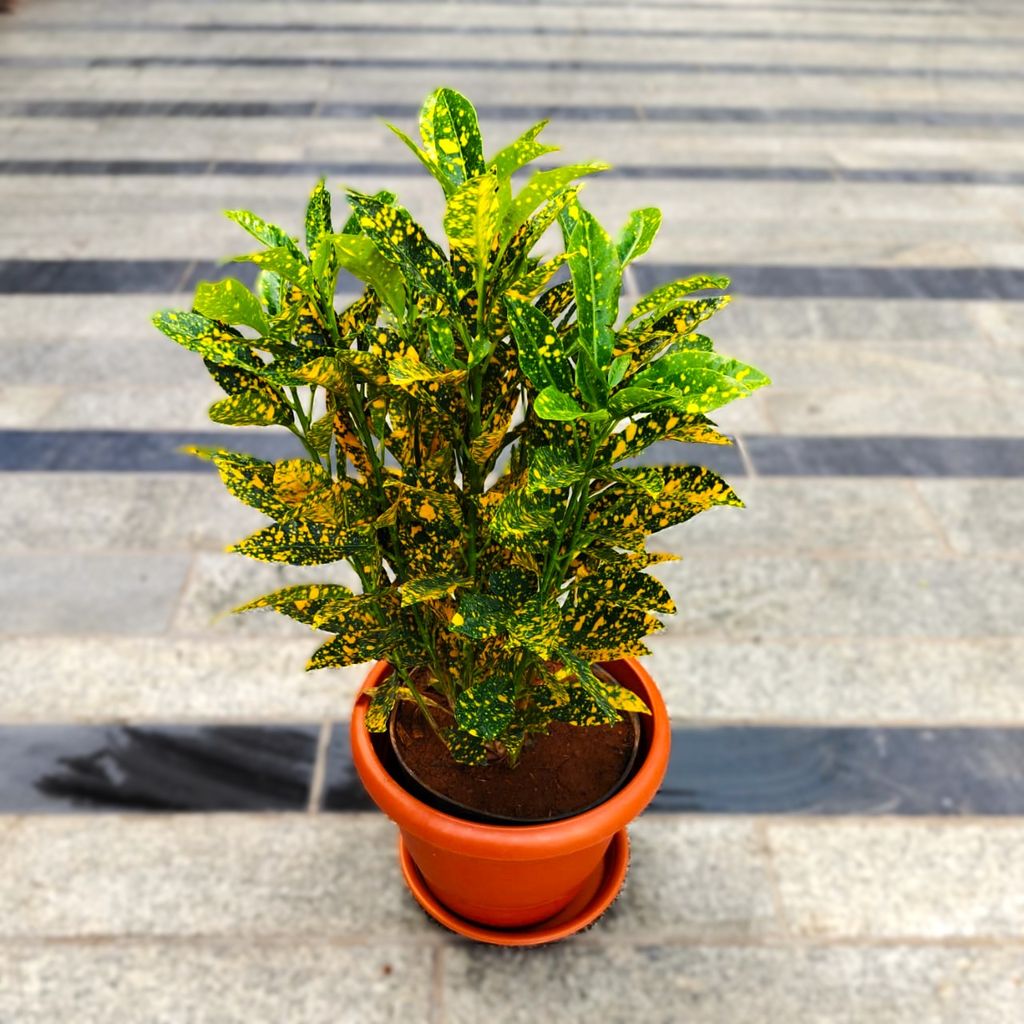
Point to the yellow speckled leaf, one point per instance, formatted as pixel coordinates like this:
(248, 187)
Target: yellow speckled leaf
(200, 334)
(661, 425)
(260, 408)
(451, 135)
(301, 602)
(670, 294)
(299, 543)
(487, 707)
(431, 588)
(230, 302)
(296, 479)
(471, 220)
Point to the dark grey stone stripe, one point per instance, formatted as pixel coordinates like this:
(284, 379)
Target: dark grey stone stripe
(730, 770)
(80, 277)
(129, 451)
(98, 109)
(654, 67)
(532, 31)
(341, 169)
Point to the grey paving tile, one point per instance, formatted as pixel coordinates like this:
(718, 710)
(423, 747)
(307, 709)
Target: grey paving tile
(138, 679)
(814, 516)
(217, 983)
(778, 597)
(24, 407)
(83, 594)
(221, 582)
(866, 680)
(695, 879)
(664, 984)
(894, 879)
(212, 875)
(980, 517)
(121, 512)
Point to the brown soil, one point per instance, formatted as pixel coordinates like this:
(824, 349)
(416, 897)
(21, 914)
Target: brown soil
(566, 771)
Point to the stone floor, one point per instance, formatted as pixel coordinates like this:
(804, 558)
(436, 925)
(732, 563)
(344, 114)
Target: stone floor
(841, 840)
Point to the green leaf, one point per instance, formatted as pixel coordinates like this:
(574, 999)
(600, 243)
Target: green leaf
(596, 279)
(536, 625)
(321, 433)
(285, 263)
(465, 748)
(541, 187)
(541, 355)
(260, 408)
(586, 703)
(230, 302)
(318, 215)
(382, 701)
(661, 425)
(486, 708)
(268, 287)
(401, 240)
(703, 381)
(600, 631)
(471, 220)
(669, 294)
(479, 616)
(552, 469)
(432, 588)
(269, 234)
(361, 258)
(442, 343)
(451, 135)
(200, 334)
(521, 152)
(519, 514)
(298, 542)
(621, 584)
(249, 479)
(638, 234)
(553, 404)
(301, 602)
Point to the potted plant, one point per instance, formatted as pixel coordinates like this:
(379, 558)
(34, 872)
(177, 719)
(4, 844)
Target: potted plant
(471, 423)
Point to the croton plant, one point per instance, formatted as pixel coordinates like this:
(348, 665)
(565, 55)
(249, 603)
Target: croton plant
(471, 422)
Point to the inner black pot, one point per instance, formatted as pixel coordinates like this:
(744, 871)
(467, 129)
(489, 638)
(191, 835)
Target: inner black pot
(391, 757)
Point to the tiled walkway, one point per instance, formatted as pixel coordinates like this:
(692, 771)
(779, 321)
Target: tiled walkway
(841, 839)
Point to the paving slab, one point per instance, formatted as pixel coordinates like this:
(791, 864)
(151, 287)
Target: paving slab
(89, 594)
(665, 984)
(315, 981)
(978, 516)
(892, 879)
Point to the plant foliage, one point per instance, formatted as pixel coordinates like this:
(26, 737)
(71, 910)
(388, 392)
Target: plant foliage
(470, 420)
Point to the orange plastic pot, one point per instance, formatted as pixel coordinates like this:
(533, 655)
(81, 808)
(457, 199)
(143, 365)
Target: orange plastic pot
(512, 877)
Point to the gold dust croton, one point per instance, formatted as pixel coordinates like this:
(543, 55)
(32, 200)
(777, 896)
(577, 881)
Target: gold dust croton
(471, 431)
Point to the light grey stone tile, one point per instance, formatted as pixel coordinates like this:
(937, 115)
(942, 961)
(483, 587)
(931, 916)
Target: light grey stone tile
(121, 512)
(213, 875)
(867, 680)
(219, 583)
(779, 597)
(980, 517)
(621, 984)
(894, 879)
(310, 980)
(83, 679)
(839, 412)
(82, 594)
(121, 320)
(177, 406)
(22, 407)
(696, 878)
(861, 517)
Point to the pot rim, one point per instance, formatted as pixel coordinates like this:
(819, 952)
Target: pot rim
(517, 842)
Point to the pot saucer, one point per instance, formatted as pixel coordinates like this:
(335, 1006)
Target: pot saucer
(596, 896)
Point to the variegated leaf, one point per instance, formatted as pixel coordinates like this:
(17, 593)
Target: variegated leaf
(597, 279)
(301, 602)
(360, 256)
(518, 154)
(401, 240)
(213, 342)
(471, 220)
(669, 294)
(480, 617)
(431, 588)
(249, 479)
(664, 424)
(257, 408)
(552, 469)
(351, 649)
(487, 707)
(623, 584)
(465, 748)
(703, 380)
(286, 264)
(536, 625)
(520, 515)
(539, 348)
(269, 234)
(541, 187)
(382, 702)
(318, 215)
(638, 234)
(296, 479)
(297, 542)
(451, 135)
(230, 302)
